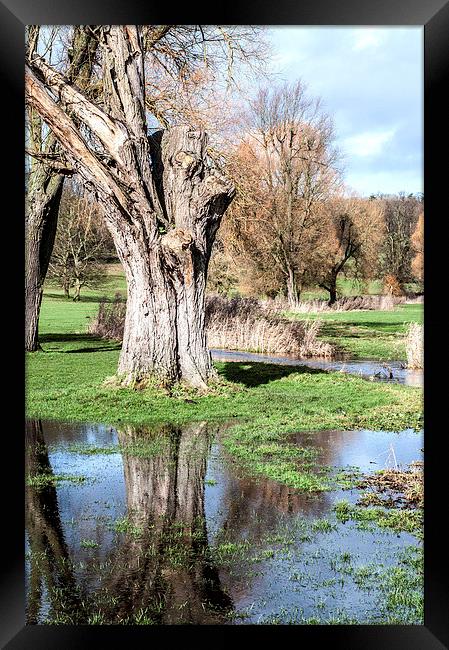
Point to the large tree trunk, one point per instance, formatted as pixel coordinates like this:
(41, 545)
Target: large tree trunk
(42, 217)
(332, 290)
(165, 335)
(163, 205)
(293, 290)
(330, 285)
(332, 295)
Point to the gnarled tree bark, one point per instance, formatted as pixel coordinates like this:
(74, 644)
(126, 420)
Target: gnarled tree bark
(44, 190)
(163, 206)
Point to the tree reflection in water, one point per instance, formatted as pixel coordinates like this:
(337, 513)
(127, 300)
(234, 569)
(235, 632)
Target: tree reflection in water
(160, 571)
(50, 566)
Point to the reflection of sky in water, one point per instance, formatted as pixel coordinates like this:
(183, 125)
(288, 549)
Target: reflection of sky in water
(85, 508)
(368, 450)
(301, 571)
(363, 367)
(239, 509)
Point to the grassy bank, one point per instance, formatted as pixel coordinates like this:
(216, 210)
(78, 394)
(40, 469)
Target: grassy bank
(263, 403)
(362, 334)
(368, 334)
(66, 382)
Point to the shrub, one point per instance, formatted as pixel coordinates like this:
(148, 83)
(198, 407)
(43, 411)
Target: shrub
(234, 324)
(110, 320)
(349, 303)
(221, 307)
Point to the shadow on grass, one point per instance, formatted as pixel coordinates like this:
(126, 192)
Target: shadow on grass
(255, 374)
(67, 337)
(359, 331)
(96, 298)
(389, 327)
(94, 343)
(105, 348)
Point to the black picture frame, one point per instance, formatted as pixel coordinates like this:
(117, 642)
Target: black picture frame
(433, 15)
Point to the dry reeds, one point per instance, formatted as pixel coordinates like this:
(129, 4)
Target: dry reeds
(268, 336)
(415, 346)
(235, 324)
(250, 325)
(415, 300)
(109, 323)
(349, 303)
(390, 486)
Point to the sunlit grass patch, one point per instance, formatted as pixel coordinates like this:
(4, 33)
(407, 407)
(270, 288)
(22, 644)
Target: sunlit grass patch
(126, 525)
(410, 521)
(46, 479)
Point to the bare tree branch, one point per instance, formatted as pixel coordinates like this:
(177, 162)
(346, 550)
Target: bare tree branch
(109, 133)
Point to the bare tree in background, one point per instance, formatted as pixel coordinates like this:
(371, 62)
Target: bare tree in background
(163, 201)
(246, 232)
(289, 146)
(354, 233)
(401, 216)
(418, 249)
(82, 242)
(46, 175)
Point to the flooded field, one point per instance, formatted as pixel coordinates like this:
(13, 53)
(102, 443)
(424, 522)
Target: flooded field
(393, 371)
(159, 526)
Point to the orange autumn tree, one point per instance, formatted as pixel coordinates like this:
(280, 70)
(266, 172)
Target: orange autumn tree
(351, 235)
(418, 247)
(284, 168)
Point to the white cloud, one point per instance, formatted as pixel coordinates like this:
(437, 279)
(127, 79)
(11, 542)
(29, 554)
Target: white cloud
(371, 82)
(368, 143)
(385, 182)
(366, 38)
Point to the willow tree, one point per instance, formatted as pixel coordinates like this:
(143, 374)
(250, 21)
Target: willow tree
(285, 167)
(353, 231)
(163, 202)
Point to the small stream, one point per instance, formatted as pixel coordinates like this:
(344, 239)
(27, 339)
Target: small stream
(159, 526)
(393, 371)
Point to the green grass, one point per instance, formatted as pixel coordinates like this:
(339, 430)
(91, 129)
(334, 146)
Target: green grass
(345, 287)
(368, 334)
(125, 525)
(402, 589)
(61, 316)
(48, 479)
(267, 401)
(409, 521)
(348, 287)
(89, 543)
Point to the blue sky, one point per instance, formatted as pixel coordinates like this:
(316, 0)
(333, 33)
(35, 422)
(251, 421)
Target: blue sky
(371, 81)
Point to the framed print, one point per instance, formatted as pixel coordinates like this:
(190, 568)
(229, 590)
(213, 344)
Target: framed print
(224, 387)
